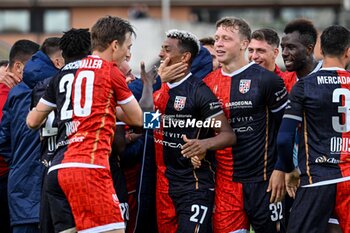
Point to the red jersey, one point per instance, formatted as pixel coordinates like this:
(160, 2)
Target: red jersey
(86, 94)
(278, 71)
(4, 91)
(289, 79)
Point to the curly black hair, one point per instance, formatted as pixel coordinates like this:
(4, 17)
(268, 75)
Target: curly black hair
(75, 44)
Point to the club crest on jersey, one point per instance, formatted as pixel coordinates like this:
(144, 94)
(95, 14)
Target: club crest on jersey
(179, 103)
(244, 85)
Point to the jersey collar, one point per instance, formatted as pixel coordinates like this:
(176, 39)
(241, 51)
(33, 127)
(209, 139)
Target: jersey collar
(332, 68)
(237, 71)
(175, 84)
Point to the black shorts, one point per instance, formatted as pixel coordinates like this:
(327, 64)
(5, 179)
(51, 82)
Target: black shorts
(312, 209)
(265, 217)
(60, 211)
(194, 211)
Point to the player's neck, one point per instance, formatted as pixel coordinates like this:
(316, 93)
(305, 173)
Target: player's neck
(235, 65)
(271, 67)
(179, 79)
(333, 62)
(105, 55)
(309, 67)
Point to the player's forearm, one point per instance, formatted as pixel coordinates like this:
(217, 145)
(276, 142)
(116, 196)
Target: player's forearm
(35, 118)
(285, 143)
(220, 141)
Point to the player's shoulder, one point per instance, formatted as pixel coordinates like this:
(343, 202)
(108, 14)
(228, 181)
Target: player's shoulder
(213, 75)
(257, 72)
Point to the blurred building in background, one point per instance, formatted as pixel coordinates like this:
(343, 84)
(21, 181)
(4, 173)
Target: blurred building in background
(38, 19)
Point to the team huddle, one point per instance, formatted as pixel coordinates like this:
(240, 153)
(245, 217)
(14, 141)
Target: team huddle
(274, 158)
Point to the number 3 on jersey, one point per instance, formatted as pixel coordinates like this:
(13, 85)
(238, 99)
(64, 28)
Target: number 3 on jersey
(345, 109)
(65, 86)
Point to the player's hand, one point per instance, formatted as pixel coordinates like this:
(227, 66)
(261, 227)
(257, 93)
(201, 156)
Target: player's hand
(292, 182)
(196, 162)
(277, 186)
(9, 79)
(148, 78)
(193, 147)
(172, 72)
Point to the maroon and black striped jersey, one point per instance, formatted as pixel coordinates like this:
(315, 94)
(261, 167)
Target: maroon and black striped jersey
(321, 101)
(249, 96)
(86, 94)
(183, 105)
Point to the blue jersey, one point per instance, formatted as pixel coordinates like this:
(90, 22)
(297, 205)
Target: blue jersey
(321, 101)
(187, 108)
(253, 100)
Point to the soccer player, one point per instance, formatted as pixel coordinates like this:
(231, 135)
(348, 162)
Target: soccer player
(86, 93)
(253, 100)
(74, 45)
(19, 54)
(319, 103)
(23, 201)
(298, 43)
(185, 194)
(263, 49)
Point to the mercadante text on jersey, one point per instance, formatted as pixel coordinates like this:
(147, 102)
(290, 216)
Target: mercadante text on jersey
(333, 79)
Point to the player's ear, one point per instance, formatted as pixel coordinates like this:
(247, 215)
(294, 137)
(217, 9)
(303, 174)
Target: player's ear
(186, 57)
(310, 49)
(18, 67)
(244, 44)
(115, 45)
(276, 51)
(347, 53)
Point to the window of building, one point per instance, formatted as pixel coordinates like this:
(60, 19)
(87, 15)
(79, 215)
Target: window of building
(14, 21)
(56, 21)
(321, 17)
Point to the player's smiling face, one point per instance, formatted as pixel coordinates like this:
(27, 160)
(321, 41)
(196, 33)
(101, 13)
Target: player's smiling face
(262, 53)
(228, 43)
(294, 52)
(170, 49)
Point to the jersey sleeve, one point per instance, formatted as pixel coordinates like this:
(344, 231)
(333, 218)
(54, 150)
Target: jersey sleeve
(294, 110)
(39, 91)
(123, 94)
(209, 105)
(49, 97)
(275, 92)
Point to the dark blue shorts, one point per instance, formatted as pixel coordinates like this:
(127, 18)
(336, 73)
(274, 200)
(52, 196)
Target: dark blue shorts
(194, 211)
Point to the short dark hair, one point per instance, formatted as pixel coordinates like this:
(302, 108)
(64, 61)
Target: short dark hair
(4, 63)
(335, 40)
(187, 41)
(50, 46)
(306, 29)
(207, 41)
(238, 23)
(22, 50)
(75, 44)
(108, 29)
(268, 35)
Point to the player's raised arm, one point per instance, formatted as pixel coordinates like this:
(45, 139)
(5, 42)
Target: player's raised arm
(148, 78)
